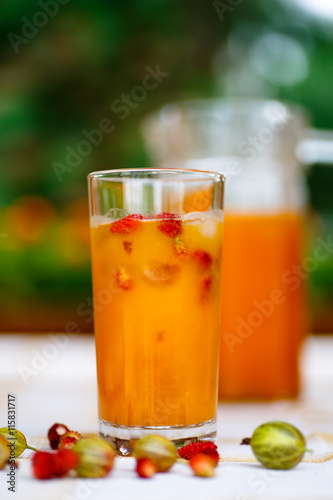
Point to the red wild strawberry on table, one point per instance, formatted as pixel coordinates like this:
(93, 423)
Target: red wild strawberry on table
(63, 462)
(69, 439)
(199, 447)
(42, 463)
(145, 468)
(48, 465)
(202, 465)
(54, 434)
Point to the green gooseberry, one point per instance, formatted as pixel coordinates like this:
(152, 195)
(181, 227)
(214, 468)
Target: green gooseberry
(96, 457)
(16, 438)
(277, 445)
(161, 451)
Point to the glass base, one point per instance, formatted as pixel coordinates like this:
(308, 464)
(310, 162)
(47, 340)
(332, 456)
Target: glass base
(122, 438)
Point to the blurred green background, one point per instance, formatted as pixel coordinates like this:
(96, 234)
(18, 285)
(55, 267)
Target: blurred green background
(65, 67)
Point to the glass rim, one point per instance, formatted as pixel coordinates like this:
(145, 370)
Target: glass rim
(111, 174)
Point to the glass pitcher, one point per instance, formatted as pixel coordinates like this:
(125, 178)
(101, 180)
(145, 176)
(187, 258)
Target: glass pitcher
(263, 309)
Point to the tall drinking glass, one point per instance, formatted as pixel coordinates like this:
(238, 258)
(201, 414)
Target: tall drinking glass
(156, 267)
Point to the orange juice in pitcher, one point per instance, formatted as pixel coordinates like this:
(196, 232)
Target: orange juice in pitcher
(263, 312)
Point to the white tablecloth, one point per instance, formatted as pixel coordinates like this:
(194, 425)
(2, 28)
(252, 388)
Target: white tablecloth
(53, 380)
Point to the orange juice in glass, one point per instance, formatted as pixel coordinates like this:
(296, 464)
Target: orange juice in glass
(156, 271)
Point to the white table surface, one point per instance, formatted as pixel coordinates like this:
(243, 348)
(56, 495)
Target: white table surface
(53, 378)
